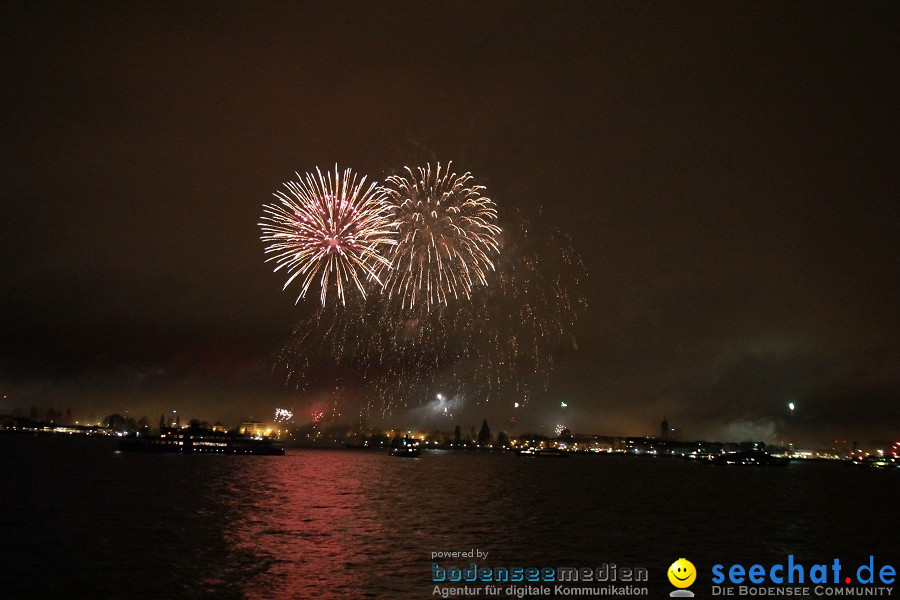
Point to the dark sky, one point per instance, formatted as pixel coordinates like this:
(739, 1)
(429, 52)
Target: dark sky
(728, 172)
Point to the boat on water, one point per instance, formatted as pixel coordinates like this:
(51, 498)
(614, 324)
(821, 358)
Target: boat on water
(194, 440)
(878, 462)
(756, 458)
(406, 447)
(542, 452)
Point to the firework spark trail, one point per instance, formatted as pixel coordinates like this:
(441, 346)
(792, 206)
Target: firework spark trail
(499, 343)
(329, 226)
(446, 236)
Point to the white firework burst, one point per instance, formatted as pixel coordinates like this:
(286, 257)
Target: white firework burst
(331, 228)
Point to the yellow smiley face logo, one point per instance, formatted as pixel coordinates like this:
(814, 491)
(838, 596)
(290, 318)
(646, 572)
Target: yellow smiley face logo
(682, 573)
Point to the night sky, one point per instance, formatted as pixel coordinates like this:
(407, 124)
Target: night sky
(727, 171)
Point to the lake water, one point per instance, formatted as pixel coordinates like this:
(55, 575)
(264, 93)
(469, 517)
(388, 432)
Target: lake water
(78, 519)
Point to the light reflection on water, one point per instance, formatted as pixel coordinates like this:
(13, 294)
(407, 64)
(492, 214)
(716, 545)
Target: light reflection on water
(349, 524)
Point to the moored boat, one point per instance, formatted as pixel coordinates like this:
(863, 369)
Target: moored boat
(543, 452)
(751, 457)
(406, 447)
(194, 440)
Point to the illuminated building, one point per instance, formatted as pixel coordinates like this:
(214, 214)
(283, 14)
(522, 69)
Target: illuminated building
(254, 429)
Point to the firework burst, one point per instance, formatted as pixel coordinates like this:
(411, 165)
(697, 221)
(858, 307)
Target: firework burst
(446, 236)
(331, 228)
(282, 415)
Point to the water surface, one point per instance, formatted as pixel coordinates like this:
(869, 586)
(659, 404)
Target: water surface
(77, 516)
